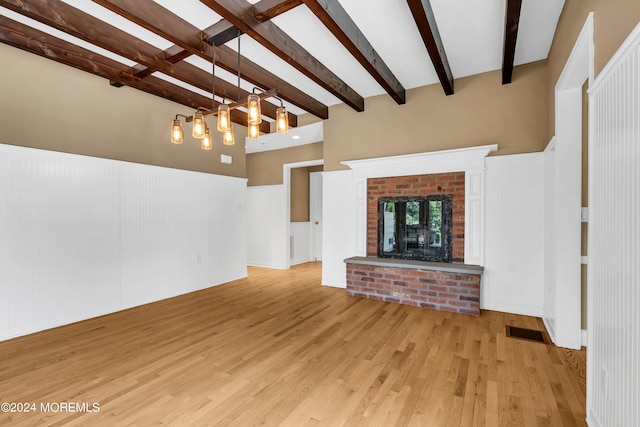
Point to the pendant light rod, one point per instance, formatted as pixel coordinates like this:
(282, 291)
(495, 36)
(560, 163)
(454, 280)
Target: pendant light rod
(213, 79)
(239, 92)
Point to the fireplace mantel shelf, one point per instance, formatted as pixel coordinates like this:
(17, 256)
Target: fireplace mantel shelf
(416, 265)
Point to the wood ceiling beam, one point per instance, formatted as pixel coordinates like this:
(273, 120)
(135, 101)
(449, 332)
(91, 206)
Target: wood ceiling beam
(511, 23)
(240, 14)
(86, 27)
(152, 16)
(35, 41)
(265, 10)
(183, 71)
(426, 23)
(336, 19)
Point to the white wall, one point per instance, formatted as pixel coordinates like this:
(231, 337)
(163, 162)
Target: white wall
(514, 234)
(549, 312)
(267, 237)
(300, 242)
(81, 237)
(613, 358)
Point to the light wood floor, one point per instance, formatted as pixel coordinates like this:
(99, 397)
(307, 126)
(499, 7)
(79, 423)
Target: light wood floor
(279, 349)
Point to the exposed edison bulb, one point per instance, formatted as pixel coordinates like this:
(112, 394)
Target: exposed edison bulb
(254, 115)
(254, 132)
(198, 125)
(206, 143)
(282, 120)
(177, 135)
(227, 137)
(224, 119)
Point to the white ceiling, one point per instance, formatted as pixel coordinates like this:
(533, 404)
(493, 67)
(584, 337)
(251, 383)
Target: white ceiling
(471, 31)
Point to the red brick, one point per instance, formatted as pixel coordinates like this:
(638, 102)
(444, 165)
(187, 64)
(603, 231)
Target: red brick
(410, 302)
(447, 295)
(459, 303)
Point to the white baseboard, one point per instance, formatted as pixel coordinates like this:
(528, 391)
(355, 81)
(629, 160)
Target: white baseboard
(513, 308)
(592, 420)
(334, 283)
(550, 330)
(300, 261)
(264, 265)
(583, 338)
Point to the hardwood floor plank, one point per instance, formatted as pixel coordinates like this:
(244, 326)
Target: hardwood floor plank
(278, 349)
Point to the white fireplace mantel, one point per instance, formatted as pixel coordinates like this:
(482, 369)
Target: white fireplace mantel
(467, 160)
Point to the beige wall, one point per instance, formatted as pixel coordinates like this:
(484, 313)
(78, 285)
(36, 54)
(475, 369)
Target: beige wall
(266, 168)
(571, 21)
(482, 111)
(613, 21)
(44, 104)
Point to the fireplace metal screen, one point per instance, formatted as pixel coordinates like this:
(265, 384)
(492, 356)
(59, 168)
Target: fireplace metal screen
(415, 228)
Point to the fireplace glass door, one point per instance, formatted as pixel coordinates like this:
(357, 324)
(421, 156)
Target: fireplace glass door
(415, 228)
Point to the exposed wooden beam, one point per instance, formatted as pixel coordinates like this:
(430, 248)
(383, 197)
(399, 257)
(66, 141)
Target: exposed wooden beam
(336, 19)
(171, 55)
(240, 14)
(35, 41)
(511, 23)
(426, 22)
(268, 9)
(86, 27)
(152, 16)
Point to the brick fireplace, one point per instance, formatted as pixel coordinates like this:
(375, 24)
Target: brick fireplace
(454, 286)
(413, 186)
(451, 287)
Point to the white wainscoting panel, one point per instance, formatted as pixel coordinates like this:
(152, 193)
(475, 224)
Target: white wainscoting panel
(474, 216)
(513, 279)
(300, 242)
(338, 235)
(613, 359)
(81, 237)
(266, 227)
(550, 240)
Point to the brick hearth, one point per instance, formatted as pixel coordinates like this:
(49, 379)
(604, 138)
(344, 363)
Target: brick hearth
(447, 287)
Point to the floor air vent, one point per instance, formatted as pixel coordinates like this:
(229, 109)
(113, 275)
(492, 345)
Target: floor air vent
(525, 334)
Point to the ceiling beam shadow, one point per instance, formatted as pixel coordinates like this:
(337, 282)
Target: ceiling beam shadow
(240, 14)
(73, 21)
(336, 19)
(154, 18)
(511, 23)
(35, 41)
(426, 23)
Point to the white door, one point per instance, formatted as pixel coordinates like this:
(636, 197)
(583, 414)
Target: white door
(315, 214)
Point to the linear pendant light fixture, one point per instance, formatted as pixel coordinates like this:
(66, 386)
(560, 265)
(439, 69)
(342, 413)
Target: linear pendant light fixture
(201, 131)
